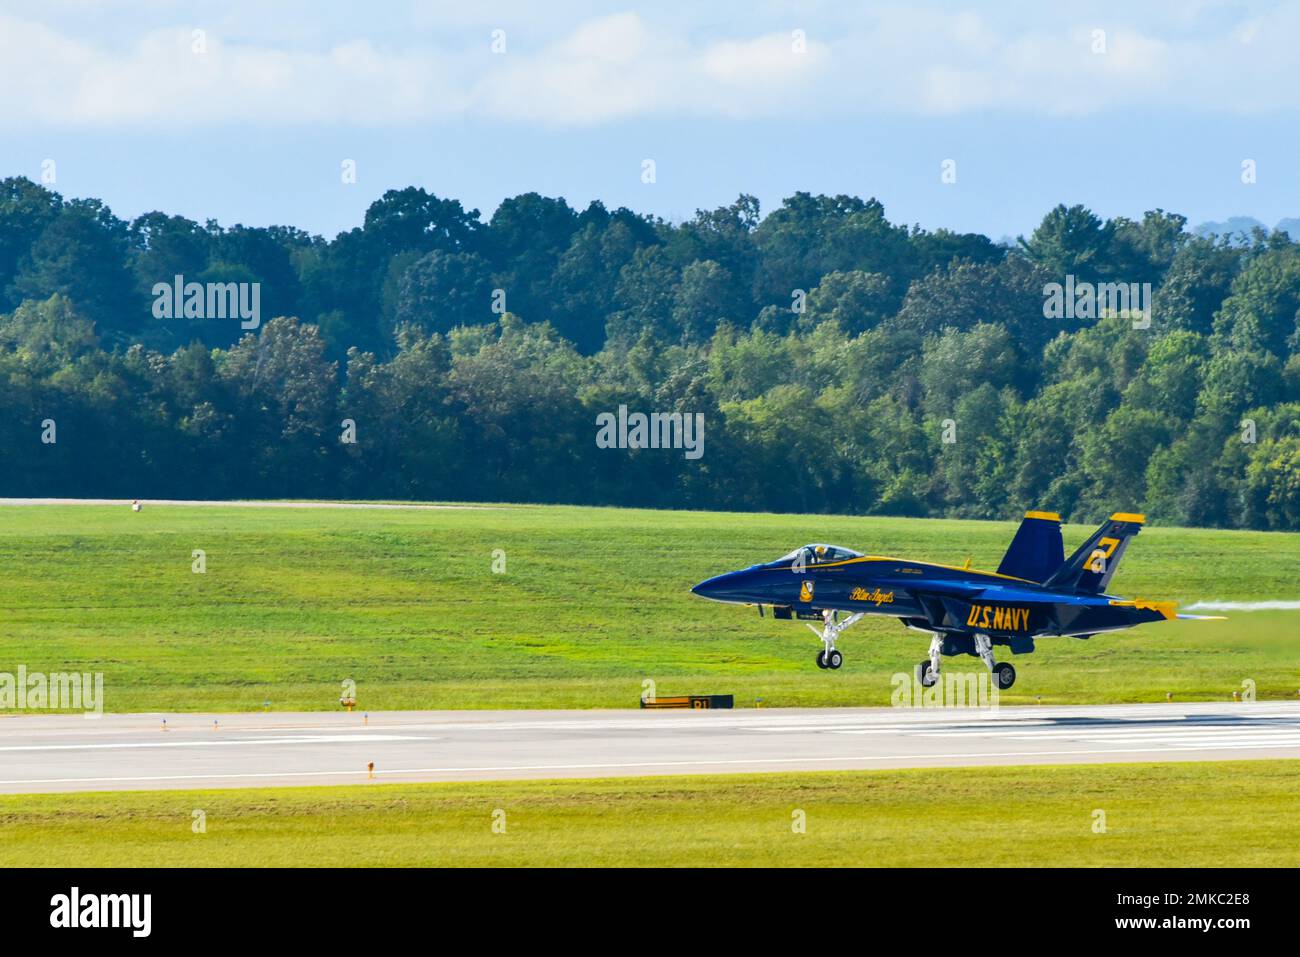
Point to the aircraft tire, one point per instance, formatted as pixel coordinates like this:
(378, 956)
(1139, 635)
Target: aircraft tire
(925, 675)
(821, 661)
(834, 660)
(1005, 674)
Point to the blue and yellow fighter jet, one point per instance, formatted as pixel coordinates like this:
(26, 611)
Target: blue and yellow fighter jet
(1035, 593)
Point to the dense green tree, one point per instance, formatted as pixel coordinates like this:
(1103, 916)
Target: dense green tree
(916, 372)
(1196, 283)
(855, 301)
(964, 294)
(1072, 242)
(82, 254)
(442, 290)
(644, 297)
(810, 236)
(1144, 251)
(1262, 312)
(702, 300)
(586, 277)
(956, 363)
(25, 211)
(47, 336)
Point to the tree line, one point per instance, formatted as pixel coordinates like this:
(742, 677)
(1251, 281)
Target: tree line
(840, 362)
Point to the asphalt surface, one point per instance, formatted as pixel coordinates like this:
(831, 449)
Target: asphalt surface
(130, 752)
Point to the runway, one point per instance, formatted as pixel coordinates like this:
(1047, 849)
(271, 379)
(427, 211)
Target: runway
(50, 753)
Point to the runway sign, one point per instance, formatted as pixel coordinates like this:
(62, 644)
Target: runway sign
(695, 702)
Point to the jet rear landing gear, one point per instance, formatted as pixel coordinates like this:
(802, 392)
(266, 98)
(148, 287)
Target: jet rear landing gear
(927, 672)
(1004, 674)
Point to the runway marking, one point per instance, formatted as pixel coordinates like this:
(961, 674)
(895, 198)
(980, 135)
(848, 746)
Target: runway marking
(890, 720)
(229, 742)
(610, 766)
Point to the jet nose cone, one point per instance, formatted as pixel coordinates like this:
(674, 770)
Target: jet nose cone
(710, 587)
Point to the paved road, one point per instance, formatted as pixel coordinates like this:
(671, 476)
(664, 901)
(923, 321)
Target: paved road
(116, 752)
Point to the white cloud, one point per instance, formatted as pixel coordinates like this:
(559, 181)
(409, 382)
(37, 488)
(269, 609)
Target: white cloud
(53, 79)
(618, 67)
(685, 61)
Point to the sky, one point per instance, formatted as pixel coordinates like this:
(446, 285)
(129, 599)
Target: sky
(974, 117)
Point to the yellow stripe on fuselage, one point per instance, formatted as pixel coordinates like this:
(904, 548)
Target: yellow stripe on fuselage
(908, 561)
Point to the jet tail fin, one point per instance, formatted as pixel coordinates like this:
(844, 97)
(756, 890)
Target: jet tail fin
(1036, 551)
(1093, 563)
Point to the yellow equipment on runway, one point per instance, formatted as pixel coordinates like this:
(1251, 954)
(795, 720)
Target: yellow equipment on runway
(696, 702)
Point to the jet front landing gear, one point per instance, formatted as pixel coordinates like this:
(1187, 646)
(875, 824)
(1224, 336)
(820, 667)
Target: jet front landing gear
(829, 657)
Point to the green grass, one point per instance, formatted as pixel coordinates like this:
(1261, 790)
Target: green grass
(593, 602)
(1240, 814)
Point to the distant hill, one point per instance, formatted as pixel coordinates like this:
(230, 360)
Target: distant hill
(1241, 226)
(1289, 226)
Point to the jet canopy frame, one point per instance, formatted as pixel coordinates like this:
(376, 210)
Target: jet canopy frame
(819, 554)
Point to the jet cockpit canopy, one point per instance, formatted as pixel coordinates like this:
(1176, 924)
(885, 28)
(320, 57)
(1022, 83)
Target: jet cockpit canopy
(820, 554)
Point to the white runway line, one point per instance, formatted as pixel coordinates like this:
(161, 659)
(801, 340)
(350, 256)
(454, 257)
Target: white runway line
(622, 765)
(63, 752)
(299, 739)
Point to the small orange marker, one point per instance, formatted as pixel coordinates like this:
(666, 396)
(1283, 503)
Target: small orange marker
(370, 770)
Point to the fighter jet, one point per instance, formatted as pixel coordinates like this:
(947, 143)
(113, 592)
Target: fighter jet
(1035, 593)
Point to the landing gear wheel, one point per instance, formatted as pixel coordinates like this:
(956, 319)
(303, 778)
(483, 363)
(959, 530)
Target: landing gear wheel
(834, 660)
(1004, 674)
(821, 660)
(925, 674)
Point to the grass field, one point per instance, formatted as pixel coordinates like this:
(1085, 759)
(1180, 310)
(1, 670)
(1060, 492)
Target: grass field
(1240, 814)
(592, 602)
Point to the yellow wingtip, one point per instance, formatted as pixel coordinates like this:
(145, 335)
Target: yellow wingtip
(1128, 517)
(1167, 609)
(1045, 516)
